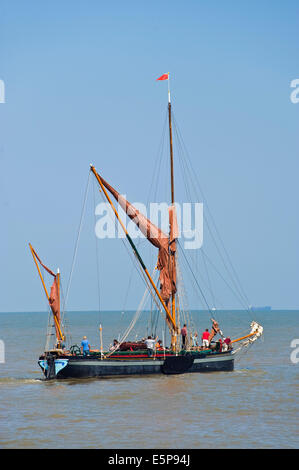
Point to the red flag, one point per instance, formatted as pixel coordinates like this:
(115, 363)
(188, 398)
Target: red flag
(163, 77)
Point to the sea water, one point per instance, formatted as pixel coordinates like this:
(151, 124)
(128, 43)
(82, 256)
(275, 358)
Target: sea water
(255, 406)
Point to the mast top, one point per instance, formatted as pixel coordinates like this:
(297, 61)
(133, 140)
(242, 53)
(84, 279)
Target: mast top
(165, 76)
(168, 91)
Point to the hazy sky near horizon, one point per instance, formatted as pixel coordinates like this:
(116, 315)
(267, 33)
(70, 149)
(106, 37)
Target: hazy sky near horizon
(80, 88)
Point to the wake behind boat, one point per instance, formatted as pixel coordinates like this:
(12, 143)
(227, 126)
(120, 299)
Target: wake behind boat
(144, 356)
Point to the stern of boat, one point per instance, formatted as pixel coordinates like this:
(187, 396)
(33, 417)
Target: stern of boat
(51, 366)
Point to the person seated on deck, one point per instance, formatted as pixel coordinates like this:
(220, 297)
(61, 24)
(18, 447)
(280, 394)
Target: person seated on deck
(194, 340)
(85, 346)
(150, 345)
(113, 346)
(61, 344)
(159, 346)
(227, 344)
(219, 345)
(60, 347)
(205, 339)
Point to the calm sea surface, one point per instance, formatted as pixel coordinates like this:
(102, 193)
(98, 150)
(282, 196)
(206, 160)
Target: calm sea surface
(255, 406)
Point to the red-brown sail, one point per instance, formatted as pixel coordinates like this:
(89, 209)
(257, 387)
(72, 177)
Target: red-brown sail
(155, 235)
(54, 299)
(173, 235)
(44, 266)
(54, 302)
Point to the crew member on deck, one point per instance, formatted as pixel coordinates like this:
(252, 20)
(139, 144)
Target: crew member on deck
(184, 336)
(85, 346)
(205, 338)
(62, 345)
(215, 328)
(114, 345)
(227, 344)
(194, 339)
(150, 344)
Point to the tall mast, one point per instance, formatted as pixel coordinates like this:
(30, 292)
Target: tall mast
(58, 323)
(172, 202)
(171, 147)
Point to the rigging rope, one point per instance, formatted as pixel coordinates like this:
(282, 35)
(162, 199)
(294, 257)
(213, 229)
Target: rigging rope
(199, 288)
(77, 242)
(97, 253)
(136, 263)
(133, 321)
(192, 174)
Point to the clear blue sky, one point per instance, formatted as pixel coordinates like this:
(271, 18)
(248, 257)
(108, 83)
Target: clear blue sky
(80, 88)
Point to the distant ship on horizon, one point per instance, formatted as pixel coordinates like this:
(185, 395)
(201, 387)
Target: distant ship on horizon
(263, 308)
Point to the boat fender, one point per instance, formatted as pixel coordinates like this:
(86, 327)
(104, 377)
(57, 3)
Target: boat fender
(177, 364)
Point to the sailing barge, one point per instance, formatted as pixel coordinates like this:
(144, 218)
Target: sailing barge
(133, 358)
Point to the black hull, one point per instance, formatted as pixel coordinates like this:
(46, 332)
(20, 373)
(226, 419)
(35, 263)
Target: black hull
(79, 367)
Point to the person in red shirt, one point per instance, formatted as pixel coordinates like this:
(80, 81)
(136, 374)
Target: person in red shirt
(227, 343)
(205, 338)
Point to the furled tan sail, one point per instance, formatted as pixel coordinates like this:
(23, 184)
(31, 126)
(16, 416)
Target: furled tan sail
(155, 235)
(54, 302)
(54, 297)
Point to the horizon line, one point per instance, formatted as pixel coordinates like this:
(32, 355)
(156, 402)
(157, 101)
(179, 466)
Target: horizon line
(148, 310)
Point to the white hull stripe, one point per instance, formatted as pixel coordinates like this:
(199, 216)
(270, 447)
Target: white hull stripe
(214, 359)
(115, 363)
(144, 363)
